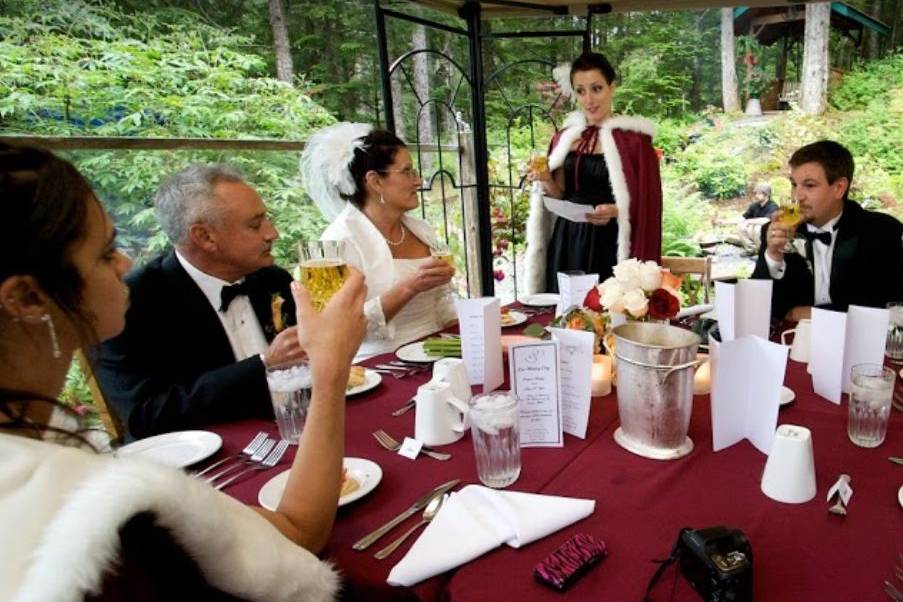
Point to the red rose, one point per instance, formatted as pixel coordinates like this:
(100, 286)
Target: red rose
(592, 299)
(663, 305)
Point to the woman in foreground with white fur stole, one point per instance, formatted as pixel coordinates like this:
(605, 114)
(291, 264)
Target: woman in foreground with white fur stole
(79, 524)
(607, 163)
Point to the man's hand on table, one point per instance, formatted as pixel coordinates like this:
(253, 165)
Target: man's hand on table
(285, 350)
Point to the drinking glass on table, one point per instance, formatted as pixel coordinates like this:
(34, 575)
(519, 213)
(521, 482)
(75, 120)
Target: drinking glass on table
(290, 394)
(871, 389)
(495, 428)
(322, 269)
(894, 348)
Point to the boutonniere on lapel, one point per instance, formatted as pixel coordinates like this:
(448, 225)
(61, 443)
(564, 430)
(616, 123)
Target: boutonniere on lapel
(279, 318)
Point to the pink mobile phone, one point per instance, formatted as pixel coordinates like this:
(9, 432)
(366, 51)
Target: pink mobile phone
(560, 569)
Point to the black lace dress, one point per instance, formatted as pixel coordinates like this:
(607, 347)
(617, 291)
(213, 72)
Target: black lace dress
(583, 246)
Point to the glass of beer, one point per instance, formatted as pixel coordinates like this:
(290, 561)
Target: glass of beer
(538, 161)
(790, 213)
(322, 269)
(439, 249)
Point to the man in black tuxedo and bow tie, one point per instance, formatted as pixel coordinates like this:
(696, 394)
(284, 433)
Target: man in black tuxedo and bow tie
(200, 330)
(847, 255)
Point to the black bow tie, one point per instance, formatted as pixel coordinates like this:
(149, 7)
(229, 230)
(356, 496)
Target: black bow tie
(825, 237)
(230, 292)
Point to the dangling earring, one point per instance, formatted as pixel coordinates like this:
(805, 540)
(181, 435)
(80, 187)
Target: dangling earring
(381, 199)
(54, 342)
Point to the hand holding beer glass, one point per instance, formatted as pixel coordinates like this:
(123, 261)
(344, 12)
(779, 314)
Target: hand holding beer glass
(322, 269)
(783, 228)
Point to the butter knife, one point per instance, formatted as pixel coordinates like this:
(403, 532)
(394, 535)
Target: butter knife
(416, 507)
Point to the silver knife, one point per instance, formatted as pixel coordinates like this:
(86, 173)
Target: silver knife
(417, 506)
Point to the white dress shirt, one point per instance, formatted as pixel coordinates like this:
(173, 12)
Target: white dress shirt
(821, 262)
(239, 320)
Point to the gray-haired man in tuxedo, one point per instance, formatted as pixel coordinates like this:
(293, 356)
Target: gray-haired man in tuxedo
(200, 330)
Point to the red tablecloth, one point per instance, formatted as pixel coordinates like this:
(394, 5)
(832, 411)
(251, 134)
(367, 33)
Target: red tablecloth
(801, 552)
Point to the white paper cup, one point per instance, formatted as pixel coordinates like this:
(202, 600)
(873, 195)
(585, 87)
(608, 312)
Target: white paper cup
(789, 474)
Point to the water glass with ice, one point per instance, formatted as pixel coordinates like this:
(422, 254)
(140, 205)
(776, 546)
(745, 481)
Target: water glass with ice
(495, 427)
(290, 394)
(871, 390)
(894, 348)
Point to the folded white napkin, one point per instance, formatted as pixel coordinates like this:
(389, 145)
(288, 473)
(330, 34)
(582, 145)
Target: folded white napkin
(477, 519)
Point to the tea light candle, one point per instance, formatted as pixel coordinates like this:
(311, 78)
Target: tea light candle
(600, 382)
(702, 380)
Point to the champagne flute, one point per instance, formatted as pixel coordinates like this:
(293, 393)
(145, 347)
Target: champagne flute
(322, 269)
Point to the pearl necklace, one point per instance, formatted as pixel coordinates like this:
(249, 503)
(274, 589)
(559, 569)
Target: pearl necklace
(399, 241)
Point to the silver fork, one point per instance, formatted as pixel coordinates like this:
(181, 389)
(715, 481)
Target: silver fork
(249, 450)
(270, 461)
(389, 443)
(256, 457)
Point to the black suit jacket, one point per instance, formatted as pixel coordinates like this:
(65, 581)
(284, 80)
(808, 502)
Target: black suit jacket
(172, 367)
(866, 268)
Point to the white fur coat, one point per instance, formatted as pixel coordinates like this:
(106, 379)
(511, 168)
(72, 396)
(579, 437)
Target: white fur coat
(63, 508)
(540, 221)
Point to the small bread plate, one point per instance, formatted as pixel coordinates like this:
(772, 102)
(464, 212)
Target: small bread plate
(787, 395)
(540, 300)
(366, 473)
(513, 318)
(371, 380)
(414, 352)
(179, 449)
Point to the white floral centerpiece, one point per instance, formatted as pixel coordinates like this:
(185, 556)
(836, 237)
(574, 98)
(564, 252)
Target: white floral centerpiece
(640, 290)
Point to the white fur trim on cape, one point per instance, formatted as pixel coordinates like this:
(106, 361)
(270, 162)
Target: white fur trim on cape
(237, 550)
(538, 224)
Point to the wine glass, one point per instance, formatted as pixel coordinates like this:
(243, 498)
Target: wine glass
(439, 249)
(790, 213)
(537, 162)
(322, 269)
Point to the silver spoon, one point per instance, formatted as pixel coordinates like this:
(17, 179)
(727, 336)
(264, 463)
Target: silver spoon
(428, 514)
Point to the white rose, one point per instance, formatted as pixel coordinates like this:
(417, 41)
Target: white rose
(611, 295)
(636, 303)
(650, 276)
(628, 273)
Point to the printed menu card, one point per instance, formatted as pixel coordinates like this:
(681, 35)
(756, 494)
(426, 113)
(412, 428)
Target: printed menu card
(572, 290)
(575, 360)
(535, 382)
(745, 402)
(480, 324)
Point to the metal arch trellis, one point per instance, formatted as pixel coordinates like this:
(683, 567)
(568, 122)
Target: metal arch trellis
(480, 185)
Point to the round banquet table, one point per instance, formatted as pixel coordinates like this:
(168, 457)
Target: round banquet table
(800, 551)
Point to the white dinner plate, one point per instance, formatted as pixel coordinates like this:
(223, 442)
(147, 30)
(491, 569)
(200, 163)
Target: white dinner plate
(414, 352)
(900, 496)
(540, 300)
(513, 318)
(787, 395)
(371, 379)
(179, 449)
(365, 472)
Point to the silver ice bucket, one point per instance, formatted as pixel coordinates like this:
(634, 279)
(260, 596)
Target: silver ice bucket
(655, 388)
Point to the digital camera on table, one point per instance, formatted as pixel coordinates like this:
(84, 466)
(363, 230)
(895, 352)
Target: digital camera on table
(717, 562)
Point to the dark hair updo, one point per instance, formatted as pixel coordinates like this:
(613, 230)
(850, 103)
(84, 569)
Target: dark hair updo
(44, 201)
(593, 61)
(376, 154)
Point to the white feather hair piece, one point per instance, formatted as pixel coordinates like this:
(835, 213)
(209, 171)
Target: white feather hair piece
(324, 165)
(562, 76)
